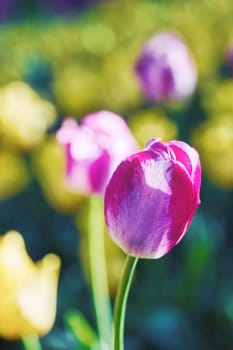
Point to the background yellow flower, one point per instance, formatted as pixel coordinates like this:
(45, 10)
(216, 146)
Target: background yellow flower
(28, 290)
(24, 116)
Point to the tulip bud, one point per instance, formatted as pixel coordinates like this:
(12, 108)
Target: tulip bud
(94, 149)
(165, 68)
(151, 198)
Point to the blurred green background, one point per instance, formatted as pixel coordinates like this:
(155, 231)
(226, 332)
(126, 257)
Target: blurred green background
(60, 58)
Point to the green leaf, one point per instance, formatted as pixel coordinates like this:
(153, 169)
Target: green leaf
(81, 329)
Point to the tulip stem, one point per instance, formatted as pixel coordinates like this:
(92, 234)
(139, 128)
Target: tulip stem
(121, 301)
(98, 272)
(31, 343)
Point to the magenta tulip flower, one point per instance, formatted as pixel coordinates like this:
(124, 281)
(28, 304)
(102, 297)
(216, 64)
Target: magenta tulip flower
(151, 198)
(94, 149)
(165, 68)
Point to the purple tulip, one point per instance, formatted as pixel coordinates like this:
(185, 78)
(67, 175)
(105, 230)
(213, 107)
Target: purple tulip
(166, 69)
(94, 149)
(151, 198)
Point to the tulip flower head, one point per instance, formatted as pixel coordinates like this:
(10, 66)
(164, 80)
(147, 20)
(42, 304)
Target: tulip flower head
(28, 290)
(94, 149)
(151, 198)
(165, 68)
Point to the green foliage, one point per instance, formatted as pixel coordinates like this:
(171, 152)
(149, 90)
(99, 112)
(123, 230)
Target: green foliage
(83, 332)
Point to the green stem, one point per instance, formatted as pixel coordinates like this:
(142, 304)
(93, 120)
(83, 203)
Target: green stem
(121, 301)
(98, 272)
(31, 343)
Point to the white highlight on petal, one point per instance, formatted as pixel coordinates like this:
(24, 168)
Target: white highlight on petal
(157, 175)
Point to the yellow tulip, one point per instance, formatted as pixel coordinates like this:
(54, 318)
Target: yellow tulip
(28, 290)
(24, 116)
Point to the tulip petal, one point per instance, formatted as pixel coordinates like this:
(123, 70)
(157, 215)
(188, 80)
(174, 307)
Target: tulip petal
(156, 79)
(112, 133)
(105, 122)
(37, 298)
(99, 172)
(149, 204)
(189, 157)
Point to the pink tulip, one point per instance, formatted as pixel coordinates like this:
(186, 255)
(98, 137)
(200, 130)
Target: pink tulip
(94, 149)
(151, 198)
(165, 68)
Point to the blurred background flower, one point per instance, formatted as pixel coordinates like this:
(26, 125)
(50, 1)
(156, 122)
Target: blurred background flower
(28, 290)
(93, 149)
(24, 116)
(165, 68)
